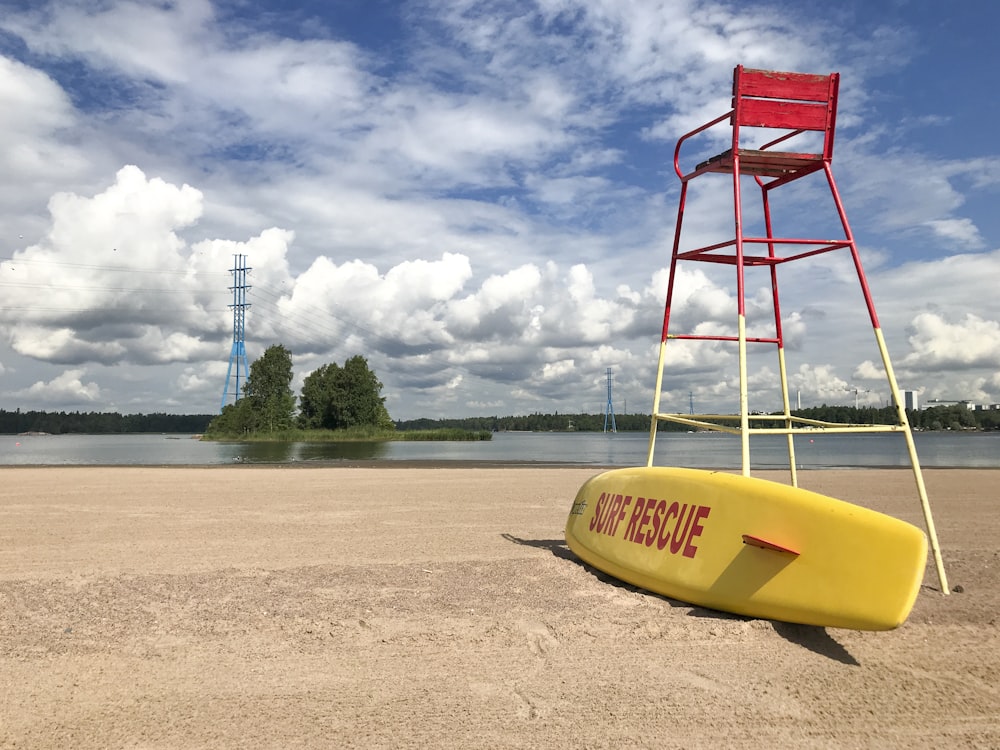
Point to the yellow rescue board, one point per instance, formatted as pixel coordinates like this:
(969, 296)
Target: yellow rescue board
(749, 546)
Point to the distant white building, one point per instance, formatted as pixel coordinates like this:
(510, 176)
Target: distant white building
(911, 400)
(946, 402)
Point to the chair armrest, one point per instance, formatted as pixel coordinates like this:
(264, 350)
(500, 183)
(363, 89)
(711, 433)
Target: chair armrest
(680, 141)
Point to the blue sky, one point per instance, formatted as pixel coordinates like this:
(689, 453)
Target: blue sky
(476, 196)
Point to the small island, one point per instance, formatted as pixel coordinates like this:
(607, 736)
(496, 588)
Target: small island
(337, 404)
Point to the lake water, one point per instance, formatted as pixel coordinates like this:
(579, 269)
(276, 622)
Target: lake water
(699, 450)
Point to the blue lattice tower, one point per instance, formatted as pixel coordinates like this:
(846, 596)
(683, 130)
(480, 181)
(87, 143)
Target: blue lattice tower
(609, 411)
(238, 355)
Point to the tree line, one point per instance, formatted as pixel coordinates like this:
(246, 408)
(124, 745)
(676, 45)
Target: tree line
(536, 422)
(341, 397)
(99, 423)
(954, 417)
(935, 418)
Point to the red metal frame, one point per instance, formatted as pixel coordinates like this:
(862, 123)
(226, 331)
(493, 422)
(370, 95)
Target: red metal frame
(797, 103)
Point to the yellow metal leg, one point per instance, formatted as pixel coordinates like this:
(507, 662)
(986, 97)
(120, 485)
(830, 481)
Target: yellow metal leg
(788, 414)
(654, 422)
(744, 399)
(914, 462)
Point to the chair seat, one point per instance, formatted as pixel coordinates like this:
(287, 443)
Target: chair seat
(763, 163)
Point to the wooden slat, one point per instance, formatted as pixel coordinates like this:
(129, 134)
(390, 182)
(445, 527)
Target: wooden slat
(776, 157)
(768, 113)
(764, 163)
(775, 84)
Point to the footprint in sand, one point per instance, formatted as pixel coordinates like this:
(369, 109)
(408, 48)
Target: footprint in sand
(540, 639)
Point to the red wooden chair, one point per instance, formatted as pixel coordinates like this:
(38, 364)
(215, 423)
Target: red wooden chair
(797, 103)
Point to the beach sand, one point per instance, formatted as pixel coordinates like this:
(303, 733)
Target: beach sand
(438, 607)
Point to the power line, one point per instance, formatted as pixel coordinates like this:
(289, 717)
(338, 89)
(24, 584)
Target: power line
(98, 267)
(81, 287)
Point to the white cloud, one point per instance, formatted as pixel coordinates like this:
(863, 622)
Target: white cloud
(61, 345)
(868, 370)
(960, 231)
(131, 36)
(557, 371)
(40, 129)
(819, 383)
(503, 303)
(66, 388)
(34, 103)
(939, 344)
(112, 280)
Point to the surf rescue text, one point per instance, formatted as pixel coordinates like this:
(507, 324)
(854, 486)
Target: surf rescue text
(652, 521)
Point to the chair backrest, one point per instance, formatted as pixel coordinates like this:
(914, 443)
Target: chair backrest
(797, 102)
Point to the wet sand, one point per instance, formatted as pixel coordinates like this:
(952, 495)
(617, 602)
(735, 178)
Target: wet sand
(439, 607)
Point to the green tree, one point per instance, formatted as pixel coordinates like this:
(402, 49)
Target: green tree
(268, 391)
(235, 419)
(335, 397)
(316, 396)
(268, 404)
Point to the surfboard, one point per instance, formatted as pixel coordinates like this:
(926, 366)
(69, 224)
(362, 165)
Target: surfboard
(749, 546)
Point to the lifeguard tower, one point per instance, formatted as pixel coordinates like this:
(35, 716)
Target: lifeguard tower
(791, 118)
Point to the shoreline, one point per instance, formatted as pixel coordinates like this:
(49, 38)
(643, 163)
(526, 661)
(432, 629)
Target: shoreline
(418, 463)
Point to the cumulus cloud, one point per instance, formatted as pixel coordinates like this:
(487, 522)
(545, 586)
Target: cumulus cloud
(819, 382)
(868, 370)
(67, 388)
(939, 344)
(111, 281)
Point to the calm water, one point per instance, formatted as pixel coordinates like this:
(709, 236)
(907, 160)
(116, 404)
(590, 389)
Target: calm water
(699, 450)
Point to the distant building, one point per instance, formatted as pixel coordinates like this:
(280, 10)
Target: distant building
(946, 402)
(911, 402)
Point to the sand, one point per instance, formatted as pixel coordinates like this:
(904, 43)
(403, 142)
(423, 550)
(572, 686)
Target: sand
(332, 607)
